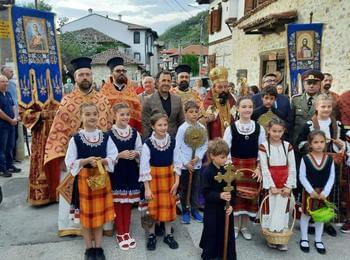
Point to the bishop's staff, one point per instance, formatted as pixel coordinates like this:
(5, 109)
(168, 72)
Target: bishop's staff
(195, 137)
(231, 174)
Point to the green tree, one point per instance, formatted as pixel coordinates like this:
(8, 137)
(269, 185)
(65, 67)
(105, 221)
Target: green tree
(41, 5)
(192, 61)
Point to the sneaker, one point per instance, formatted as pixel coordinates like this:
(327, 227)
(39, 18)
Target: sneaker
(282, 247)
(186, 218)
(5, 174)
(246, 234)
(197, 217)
(14, 169)
(152, 242)
(170, 241)
(330, 230)
(345, 228)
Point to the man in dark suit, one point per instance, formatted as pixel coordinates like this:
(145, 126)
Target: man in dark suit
(281, 104)
(164, 102)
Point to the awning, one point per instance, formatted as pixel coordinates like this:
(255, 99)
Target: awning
(271, 23)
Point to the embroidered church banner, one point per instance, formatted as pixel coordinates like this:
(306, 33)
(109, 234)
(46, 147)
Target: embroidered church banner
(304, 51)
(36, 54)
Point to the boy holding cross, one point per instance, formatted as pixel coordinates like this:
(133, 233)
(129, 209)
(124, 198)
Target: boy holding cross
(215, 211)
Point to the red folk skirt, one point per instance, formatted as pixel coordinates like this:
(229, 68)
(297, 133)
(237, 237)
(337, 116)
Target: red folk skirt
(314, 203)
(246, 206)
(279, 176)
(96, 207)
(163, 206)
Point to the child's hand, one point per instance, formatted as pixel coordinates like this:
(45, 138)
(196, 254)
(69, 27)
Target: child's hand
(285, 192)
(314, 195)
(257, 175)
(225, 196)
(148, 194)
(275, 191)
(339, 144)
(194, 160)
(189, 167)
(173, 190)
(132, 155)
(123, 155)
(104, 161)
(321, 196)
(229, 210)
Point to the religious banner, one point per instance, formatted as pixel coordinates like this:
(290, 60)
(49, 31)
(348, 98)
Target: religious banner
(304, 51)
(36, 55)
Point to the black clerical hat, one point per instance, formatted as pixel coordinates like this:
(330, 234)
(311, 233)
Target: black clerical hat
(111, 63)
(183, 68)
(82, 62)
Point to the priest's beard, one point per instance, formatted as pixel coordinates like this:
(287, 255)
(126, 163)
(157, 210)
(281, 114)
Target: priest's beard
(326, 86)
(223, 97)
(85, 85)
(183, 85)
(121, 80)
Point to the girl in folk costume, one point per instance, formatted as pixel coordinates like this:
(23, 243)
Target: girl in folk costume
(335, 141)
(88, 150)
(125, 185)
(317, 176)
(243, 138)
(277, 164)
(160, 171)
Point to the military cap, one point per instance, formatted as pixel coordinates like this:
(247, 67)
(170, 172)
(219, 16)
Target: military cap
(312, 75)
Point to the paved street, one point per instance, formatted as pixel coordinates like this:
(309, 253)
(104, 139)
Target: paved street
(31, 233)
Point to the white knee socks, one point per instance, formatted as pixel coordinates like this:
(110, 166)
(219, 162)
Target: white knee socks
(304, 224)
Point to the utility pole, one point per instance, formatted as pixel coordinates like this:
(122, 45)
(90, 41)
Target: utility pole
(201, 47)
(36, 4)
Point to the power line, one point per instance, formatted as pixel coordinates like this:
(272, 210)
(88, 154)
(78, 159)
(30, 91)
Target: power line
(174, 7)
(176, 1)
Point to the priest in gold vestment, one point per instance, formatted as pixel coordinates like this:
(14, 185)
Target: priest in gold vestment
(66, 123)
(118, 88)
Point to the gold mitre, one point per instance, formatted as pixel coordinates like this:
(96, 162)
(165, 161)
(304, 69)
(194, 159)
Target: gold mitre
(218, 74)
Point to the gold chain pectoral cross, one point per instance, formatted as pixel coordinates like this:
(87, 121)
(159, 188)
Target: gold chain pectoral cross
(230, 175)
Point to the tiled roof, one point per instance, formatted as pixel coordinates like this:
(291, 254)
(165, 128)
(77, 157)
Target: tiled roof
(195, 49)
(103, 57)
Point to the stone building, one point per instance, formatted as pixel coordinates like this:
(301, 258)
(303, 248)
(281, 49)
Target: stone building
(259, 36)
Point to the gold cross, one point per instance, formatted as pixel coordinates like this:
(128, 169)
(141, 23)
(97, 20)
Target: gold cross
(230, 175)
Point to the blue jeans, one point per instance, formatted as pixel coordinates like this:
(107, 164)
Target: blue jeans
(7, 143)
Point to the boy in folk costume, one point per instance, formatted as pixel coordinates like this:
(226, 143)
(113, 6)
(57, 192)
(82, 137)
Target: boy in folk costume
(191, 160)
(212, 238)
(88, 150)
(243, 138)
(335, 143)
(317, 176)
(125, 185)
(277, 164)
(160, 171)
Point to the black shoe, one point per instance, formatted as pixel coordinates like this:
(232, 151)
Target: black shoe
(305, 249)
(99, 254)
(321, 251)
(5, 174)
(89, 254)
(14, 169)
(170, 241)
(330, 230)
(159, 229)
(311, 230)
(152, 242)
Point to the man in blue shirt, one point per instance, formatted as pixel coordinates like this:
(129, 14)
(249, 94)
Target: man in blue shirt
(8, 120)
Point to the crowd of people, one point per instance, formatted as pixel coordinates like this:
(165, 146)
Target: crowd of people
(105, 151)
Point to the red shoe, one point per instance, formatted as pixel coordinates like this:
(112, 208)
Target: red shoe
(345, 228)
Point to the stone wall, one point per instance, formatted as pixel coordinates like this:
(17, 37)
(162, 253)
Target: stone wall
(335, 54)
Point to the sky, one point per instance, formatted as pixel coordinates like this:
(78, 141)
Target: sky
(157, 14)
